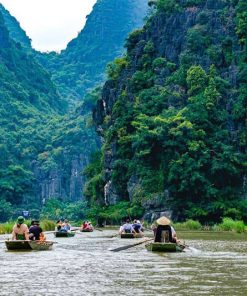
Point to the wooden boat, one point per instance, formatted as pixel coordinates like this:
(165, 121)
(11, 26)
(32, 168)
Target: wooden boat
(16, 245)
(139, 235)
(164, 247)
(127, 235)
(64, 234)
(41, 245)
(131, 235)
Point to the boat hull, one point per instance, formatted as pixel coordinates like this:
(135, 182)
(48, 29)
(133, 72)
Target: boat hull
(86, 230)
(41, 245)
(64, 234)
(131, 235)
(164, 247)
(16, 245)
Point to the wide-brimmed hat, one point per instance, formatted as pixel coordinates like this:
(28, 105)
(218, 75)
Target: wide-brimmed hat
(20, 220)
(163, 221)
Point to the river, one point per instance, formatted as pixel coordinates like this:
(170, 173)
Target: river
(215, 264)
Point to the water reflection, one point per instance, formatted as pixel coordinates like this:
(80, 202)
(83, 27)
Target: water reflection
(83, 265)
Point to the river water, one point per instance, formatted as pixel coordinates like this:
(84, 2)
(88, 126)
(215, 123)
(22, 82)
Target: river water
(84, 265)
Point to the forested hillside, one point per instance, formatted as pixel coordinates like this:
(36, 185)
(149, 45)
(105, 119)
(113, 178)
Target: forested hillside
(173, 114)
(81, 67)
(45, 148)
(28, 100)
(42, 150)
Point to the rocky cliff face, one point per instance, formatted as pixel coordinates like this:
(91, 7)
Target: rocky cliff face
(81, 66)
(173, 39)
(59, 169)
(65, 184)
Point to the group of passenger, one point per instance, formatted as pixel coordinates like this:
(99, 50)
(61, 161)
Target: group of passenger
(163, 231)
(22, 232)
(128, 227)
(87, 226)
(63, 225)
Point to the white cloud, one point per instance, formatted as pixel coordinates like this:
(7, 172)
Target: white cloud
(51, 24)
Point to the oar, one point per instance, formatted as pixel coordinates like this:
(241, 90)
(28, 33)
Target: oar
(114, 235)
(130, 246)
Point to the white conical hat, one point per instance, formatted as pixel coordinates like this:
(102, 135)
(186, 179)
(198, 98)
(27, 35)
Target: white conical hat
(163, 221)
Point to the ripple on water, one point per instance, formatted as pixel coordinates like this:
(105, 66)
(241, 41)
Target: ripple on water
(84, 266)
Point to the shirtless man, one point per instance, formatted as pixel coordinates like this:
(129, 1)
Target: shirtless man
(20, 230)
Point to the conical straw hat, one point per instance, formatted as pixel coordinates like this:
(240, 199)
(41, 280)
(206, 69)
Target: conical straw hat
(163, 221)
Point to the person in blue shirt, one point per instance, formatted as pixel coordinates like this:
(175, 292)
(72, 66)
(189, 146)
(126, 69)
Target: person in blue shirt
(66, 226)
(127, 227)
(137, 226)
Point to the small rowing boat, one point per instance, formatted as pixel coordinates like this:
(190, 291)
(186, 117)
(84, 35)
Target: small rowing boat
(64, 234)
(164, 247)
(86, 230)
(16, 245)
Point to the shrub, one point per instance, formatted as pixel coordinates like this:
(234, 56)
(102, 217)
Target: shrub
(47, 225)
(239, 227)
(189, 225)
(229, 224)
(193, 225)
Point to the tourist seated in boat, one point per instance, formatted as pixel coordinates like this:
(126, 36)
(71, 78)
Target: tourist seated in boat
(59, 224)
(65, 226)
(127, 228)
(163, 233)
(90, 226)
(87, 225)
(20, 230)
(84, 225)
(137, 226)
(35, 231)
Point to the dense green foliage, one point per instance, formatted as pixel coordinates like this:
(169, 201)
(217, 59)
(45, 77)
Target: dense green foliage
(56, 209)
(36, 138)
(178, 122)
(28, 100)
(114, 214)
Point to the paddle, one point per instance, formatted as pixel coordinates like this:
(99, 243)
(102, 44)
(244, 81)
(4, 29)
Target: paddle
(182, 244)
(114, 235)
(130, 246)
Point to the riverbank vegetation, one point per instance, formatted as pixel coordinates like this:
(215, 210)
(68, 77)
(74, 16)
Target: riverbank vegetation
(46, 225)
(227, 224)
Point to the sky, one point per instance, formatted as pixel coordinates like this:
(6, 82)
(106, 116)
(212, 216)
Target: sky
(51, 24)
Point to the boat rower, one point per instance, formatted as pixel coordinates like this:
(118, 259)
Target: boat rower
(20, 230)
(35, 231)
(137, 226)
(127, 228)
(164, 231)
(66, 226)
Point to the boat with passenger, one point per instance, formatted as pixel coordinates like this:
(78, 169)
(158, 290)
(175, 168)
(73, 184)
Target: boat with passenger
(28, 245)
(165, 239)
